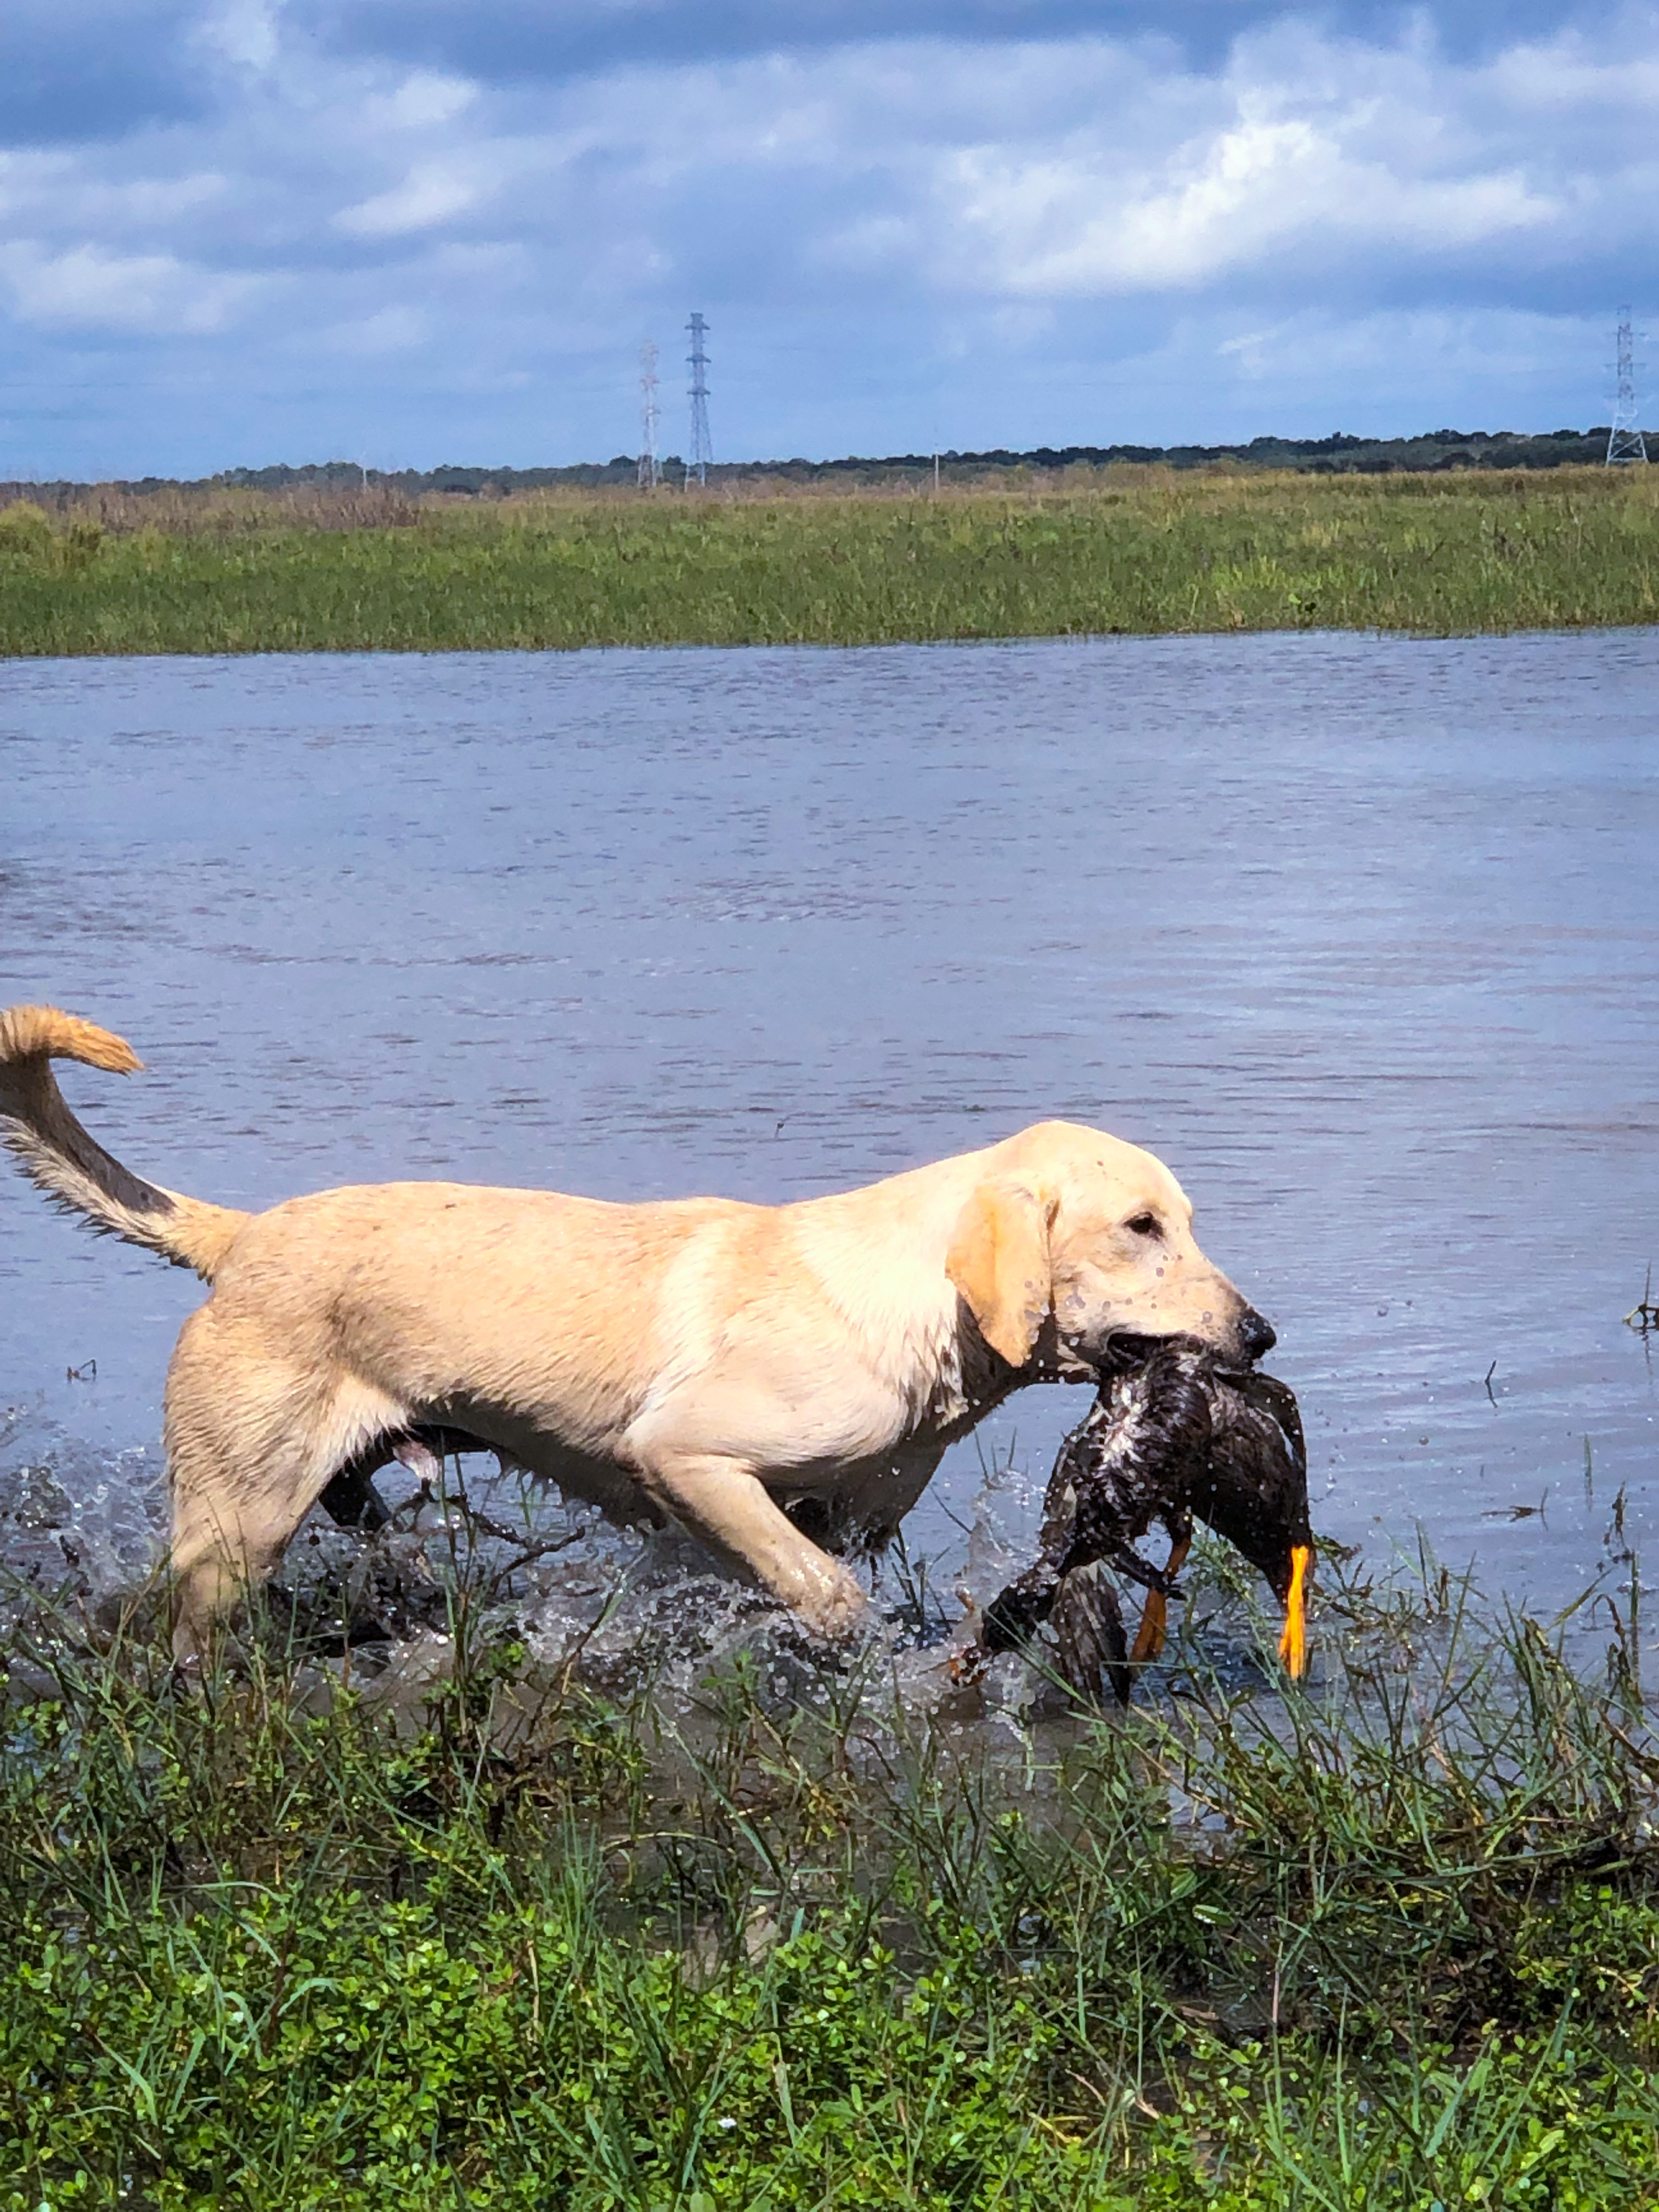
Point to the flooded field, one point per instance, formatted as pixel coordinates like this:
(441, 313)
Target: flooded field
(1357, 934)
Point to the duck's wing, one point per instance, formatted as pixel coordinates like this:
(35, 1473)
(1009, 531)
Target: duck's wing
(1137, 1467)
(1094, 1653)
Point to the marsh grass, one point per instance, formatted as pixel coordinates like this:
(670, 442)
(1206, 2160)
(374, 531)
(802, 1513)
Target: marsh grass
(1391, 1940)
(1117, 550)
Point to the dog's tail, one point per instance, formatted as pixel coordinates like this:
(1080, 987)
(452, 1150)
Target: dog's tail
(58, 1155)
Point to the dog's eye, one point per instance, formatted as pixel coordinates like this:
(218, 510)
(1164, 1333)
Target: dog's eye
(1145, 1224)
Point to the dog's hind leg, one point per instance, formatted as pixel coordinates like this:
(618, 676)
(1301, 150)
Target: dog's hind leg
(254, 1435)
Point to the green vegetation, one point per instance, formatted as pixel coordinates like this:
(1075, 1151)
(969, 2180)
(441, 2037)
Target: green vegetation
(1393, 1943)
(1138, 550)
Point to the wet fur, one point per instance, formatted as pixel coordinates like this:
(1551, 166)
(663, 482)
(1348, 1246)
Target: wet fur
(699, 1360)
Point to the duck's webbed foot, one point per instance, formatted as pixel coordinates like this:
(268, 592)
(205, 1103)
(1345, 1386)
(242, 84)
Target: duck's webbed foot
(1150, 1636)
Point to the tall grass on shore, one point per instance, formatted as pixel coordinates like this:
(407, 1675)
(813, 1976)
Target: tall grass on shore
(1393, 1943)
(1133, 551)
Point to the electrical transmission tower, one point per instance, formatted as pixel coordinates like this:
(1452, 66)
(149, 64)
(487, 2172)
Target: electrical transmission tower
(697, 360)
(650, 416)
(1625, 442)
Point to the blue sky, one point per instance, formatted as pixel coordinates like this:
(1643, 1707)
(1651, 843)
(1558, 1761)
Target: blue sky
(417, 231)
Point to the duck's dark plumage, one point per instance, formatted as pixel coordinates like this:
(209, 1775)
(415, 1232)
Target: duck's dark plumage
(1173, 1436)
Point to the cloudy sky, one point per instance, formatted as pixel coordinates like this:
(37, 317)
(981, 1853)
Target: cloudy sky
(418, 231)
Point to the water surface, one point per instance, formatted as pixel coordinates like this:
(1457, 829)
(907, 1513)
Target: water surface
(1359, 934)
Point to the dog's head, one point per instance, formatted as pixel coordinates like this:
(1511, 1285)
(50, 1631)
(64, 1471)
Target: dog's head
(1075, 1234)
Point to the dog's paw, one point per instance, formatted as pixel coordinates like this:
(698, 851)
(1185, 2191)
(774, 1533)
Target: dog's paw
(836, 1609)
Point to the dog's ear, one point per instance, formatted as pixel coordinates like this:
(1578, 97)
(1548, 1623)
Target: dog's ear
(998, 1262)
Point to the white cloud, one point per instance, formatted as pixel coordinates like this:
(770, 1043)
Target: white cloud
(393, 329)
(89, 288)
(1250, 349)
(422, 101)
(1612, 78)
(245, 32)
(1229, 201)
(1070, 169)
(430, 195)
(892, 220)
(57, 191)
(1498, 355)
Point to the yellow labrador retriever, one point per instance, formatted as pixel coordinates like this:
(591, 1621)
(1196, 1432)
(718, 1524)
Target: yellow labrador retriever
(718, 1365)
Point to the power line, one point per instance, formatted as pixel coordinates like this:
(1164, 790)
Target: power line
(1625, 442)
(650, 416)
(702, 452)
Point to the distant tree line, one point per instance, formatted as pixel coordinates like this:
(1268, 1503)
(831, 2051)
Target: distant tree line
(1338, 455)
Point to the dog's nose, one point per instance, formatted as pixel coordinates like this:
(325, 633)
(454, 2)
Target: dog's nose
(1256, 1334)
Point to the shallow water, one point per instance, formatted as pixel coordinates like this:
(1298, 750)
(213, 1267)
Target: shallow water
(1357, 934)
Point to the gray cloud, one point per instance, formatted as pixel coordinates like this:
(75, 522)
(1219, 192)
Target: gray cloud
(91, 69)
(982, 241)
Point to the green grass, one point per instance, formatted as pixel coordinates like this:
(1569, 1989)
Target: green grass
(1145, 552)
(1399, 1949)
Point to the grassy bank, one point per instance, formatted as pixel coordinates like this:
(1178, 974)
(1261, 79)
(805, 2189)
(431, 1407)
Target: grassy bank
(1135, 550)
(803, 1947)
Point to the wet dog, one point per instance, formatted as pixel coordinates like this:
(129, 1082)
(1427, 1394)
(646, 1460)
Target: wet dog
(745, 1371)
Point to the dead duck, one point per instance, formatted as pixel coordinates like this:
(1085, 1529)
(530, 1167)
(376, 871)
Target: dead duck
(1172, 1435)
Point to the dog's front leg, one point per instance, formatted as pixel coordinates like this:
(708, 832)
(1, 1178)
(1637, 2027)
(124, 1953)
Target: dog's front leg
(723, 1503)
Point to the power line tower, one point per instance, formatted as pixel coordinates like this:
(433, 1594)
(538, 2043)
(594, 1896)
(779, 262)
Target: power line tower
(697, 360)
(650, 416)
(1625, 442)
